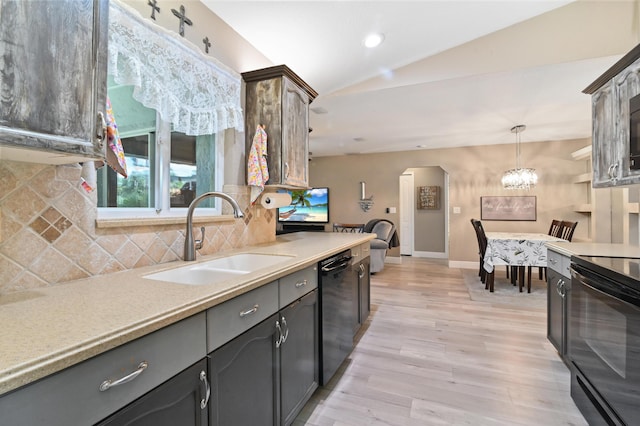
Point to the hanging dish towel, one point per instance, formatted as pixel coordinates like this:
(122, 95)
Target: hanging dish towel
(257, 169)
(115, 152)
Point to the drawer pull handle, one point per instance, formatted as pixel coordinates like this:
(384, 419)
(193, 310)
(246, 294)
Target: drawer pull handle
(301, 284)
(249, 311)
(207, 395)
(107, 384)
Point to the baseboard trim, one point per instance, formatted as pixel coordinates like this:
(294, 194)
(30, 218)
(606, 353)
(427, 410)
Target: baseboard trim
(430, 254)
(463, 264)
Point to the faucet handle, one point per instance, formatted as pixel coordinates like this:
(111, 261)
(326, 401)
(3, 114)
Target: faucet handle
(201, 240)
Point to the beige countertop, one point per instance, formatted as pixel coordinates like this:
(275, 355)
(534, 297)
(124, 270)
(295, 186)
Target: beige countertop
(594, 249)
(48, 329)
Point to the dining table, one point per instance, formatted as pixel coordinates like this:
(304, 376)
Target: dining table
(516, 249)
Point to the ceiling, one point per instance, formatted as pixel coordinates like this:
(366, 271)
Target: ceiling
(448, 74)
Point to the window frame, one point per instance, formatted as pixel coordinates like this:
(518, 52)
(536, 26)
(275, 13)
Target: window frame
(162, 208)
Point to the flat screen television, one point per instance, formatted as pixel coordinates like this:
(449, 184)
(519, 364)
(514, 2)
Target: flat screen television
(307, 206)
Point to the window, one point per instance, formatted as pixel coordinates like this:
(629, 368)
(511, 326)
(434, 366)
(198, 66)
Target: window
(163, 90)
(166, 169)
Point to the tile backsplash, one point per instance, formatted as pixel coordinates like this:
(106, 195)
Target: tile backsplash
(48, 230)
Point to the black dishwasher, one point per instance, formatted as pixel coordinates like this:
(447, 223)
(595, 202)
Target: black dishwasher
(336, 279)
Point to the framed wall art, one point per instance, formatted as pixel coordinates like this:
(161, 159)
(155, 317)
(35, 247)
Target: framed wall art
(508, 208)
(428, 197)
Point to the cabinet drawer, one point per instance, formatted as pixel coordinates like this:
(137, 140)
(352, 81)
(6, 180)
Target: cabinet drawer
(296, 285)
(73, 397)
(559, 262)
(356, 253)
(365, 250)
(360, 252)
(235, 316)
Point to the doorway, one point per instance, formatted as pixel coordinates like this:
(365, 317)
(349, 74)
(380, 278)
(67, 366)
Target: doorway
(406, 213)
(424, 231)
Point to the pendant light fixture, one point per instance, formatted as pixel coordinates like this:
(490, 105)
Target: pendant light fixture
(519, 178)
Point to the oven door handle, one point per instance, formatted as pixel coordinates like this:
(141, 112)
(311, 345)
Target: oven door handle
(607, 290)
(332, 268)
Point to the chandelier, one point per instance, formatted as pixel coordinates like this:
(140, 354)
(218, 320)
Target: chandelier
(519, 178)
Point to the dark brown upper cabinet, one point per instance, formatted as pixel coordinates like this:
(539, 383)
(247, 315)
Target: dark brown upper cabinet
(278, 99)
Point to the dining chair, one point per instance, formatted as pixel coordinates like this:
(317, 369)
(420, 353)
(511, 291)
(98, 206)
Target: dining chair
(554, 231)
(481, 250)
(555, 227)
(486, 277)
(561, 229)
(566, 230)
(348, 227)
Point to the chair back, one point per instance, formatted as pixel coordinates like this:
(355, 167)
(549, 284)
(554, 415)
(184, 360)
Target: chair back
(480, 236)
(566, 230)
(384, 230)
(554, 229)
(348, 227)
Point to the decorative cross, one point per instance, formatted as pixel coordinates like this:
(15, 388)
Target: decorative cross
(154, 8)
(207, 44)
(183, 19)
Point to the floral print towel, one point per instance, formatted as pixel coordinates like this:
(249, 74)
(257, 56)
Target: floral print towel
(257, 169)
(115, 152)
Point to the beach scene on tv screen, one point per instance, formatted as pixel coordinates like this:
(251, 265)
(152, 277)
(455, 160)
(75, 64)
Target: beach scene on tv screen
(311, 205)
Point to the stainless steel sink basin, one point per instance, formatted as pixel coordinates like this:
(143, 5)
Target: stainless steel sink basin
(220, 269)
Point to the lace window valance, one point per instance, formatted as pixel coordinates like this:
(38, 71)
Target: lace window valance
(196, 93)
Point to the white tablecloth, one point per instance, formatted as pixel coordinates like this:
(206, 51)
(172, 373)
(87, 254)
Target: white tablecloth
(516, 249)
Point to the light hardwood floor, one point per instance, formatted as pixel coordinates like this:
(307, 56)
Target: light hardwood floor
(429, 355)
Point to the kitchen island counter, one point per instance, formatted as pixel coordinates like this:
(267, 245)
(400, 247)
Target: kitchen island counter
(594, 249)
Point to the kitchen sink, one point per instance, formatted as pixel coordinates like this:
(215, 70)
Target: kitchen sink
(220, 269)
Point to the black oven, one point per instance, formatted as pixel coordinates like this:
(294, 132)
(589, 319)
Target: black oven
(604, 339)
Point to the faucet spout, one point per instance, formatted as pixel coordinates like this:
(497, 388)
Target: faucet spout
(189, 244)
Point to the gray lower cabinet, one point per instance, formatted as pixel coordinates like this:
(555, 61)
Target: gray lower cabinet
(558, 288)
(180, 401)
(361, 292)
(244, 378)
(54, 80)
(299, 356)
(91, 391)
(364, 288)
(267, 374)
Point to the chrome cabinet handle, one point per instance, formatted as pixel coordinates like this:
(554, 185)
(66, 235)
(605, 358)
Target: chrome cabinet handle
(286, 170)
(101, 129)
(613, 171)
(279, 339)
(301, 283)
(362, 269)
(286, 330)
(107, 384)
(250, 311)
(558, 287)
(205, 382)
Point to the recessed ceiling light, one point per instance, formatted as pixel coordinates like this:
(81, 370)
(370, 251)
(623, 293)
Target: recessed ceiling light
(373, 40)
